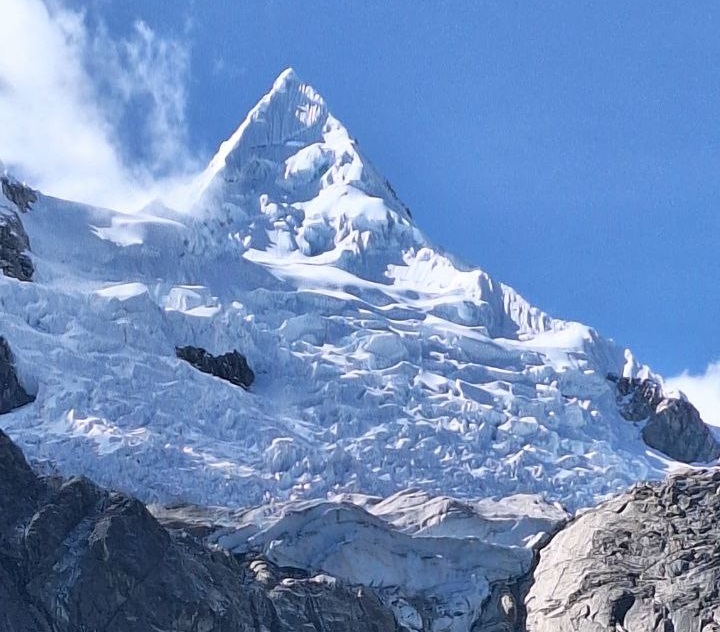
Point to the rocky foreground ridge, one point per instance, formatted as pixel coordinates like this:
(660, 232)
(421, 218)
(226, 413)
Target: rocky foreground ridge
(647, 560)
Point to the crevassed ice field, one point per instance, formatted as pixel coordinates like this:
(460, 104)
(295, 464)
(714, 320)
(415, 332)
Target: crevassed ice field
(382, 362)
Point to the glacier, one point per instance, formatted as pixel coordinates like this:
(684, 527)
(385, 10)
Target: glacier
(382, 362)
(413, 422)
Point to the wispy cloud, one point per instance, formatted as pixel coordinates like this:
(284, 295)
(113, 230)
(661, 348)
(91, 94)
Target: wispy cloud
(150, 73)
(87, 115)
(703, 391)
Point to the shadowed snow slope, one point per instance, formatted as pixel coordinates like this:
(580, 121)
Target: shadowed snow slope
(380, 361)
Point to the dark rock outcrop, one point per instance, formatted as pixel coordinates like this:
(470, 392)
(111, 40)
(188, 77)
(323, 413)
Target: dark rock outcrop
(646, 561)
(12, 394)
(673, 425)
(14, 242)
(504, 610)
(637, 399)
(232, 366)
(76, 558)
(676, 429)
(21, 195)
(14, 246)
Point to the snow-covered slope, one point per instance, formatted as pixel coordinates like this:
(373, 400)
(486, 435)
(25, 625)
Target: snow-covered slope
(381, 362)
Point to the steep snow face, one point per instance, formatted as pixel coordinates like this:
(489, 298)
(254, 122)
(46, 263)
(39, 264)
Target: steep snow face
(291, 180)
(291, 148)
(381, 362)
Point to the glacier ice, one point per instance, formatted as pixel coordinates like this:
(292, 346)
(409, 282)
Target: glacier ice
(382, 362)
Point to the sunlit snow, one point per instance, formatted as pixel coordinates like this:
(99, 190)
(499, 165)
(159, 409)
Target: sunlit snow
(381, 362)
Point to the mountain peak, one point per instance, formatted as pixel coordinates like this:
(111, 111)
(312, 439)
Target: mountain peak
(290, 114)
(290, 150)
(287, 78)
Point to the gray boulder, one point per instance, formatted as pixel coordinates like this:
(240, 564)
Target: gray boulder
(645, 561)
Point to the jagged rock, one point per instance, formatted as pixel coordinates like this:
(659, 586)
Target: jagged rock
(14, 242)
(677, 430)
(19, 194)
(76, 558)
(231, 366)
(12, 394)
(14, 246)
(645, 561)
(18, 484)
(295, 601)
(637, 399)
(673, 425)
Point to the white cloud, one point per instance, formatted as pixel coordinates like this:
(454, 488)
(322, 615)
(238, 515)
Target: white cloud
(702, 390)
(153, 71)
(66, 89)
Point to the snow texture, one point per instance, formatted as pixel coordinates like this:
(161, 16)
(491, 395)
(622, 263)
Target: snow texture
(381, 362)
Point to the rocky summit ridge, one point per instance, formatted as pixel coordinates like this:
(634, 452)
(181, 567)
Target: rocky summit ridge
(292, 375)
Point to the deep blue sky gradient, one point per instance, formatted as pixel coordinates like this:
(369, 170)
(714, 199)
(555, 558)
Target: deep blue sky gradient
(570, 149)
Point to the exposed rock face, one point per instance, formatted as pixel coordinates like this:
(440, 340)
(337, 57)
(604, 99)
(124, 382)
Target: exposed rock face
(646, 561)
(677, 430)
(637, 399)
(673, 425)
(19, 194)
(14, 245)
(14, 242)
(231, 366)
(504, 610)
(74, 557)
(12, 394)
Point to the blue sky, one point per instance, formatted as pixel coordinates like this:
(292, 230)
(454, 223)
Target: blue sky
(569, 149)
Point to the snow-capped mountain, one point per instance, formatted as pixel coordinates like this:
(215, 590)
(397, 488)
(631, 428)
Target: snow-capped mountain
(335, 392)
(381, 362)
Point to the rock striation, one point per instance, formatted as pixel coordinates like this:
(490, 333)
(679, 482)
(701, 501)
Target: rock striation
(74, 557)
(645, 561)
(232, 366)
(673, 425)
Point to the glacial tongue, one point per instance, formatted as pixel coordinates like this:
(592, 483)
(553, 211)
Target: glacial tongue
(380, 362)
